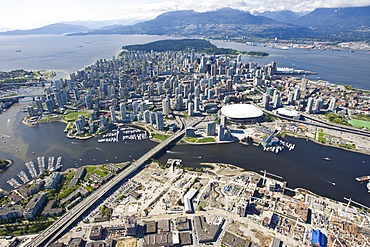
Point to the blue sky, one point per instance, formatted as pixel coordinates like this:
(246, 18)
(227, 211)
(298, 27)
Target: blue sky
(26, 14)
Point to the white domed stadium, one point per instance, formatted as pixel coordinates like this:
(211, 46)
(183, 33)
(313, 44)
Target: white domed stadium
(287, 112)
(242, 112)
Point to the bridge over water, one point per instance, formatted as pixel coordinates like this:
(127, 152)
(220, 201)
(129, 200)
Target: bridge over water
(51, 233)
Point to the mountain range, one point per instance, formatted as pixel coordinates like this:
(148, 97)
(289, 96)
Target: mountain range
(329, 24)
(57, 28)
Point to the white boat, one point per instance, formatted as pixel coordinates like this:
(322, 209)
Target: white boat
(59, 163)
(51, 162)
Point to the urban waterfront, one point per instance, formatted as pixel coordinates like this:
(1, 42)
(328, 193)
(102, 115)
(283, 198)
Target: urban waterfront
(67, 54)
(301, 168)
(339, 67)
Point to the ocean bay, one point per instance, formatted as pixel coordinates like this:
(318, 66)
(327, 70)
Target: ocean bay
(67, 54)
(48, 139)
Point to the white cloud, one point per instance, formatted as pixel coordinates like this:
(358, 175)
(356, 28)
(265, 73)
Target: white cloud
(23, 14)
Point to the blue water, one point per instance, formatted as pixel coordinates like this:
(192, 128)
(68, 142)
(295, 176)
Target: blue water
(339, 67)
(62, 54)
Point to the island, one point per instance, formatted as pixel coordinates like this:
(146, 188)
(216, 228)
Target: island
(190, 45)
(5, 164)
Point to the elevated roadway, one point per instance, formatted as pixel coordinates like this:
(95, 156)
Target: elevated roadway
(320, 123)
(64, 222)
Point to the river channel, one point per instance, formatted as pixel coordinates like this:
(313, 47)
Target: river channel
(303, 167)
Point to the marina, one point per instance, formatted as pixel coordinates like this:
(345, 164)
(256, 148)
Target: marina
(30, 165)
(278, 146)
(126, 133)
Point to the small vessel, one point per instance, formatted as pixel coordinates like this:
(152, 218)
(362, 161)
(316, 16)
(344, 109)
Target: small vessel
(363, 178)
(18, 50)
(326, 158)
(368, 186)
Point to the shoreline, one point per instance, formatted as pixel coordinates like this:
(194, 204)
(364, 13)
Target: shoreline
(10, 163)
(327, 144)
(223, 169)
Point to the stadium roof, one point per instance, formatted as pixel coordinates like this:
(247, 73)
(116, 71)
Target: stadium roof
(241, 111)
(288, 112)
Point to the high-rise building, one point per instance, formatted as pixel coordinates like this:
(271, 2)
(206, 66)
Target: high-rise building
(239, 58)
(179, 103)
(266, 101)
(159, 121)
(304, 84)
(146, 116)
(49, 105)
(196, 104)
(59, 98)
(122, 110)
(221, 133)
(152, 118)
(88, 102)
(82, 119)
(223, 121)
(309, 106)
(276, 101)
(135, 107)
(318, 104)
(39, 106)
(186, 90)
(190, 132)
(210, 94)
(196, 92)
(31, 111)
(290, 98)
(229, 85)
(332, 104)
(211, 128)
(79, 126)
(112, 114)
(190, 108)
(271, 91)
(142, 107)
(166, 106)
(297, 94)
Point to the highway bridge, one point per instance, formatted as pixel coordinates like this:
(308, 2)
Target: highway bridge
(64, 222)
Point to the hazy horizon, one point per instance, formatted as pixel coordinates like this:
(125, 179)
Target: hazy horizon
(29, 14)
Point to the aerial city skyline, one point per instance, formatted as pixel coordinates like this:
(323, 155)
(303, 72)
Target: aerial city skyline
(205, 127)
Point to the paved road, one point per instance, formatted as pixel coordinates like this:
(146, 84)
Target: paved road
(58, 227)
(320, 123)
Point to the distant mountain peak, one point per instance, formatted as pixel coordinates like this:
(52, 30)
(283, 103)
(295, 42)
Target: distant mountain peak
(55, 28)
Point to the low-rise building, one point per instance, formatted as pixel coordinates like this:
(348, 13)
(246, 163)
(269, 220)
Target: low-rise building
(52, 181)
(9, 211)
(34, 205)
(96, 232)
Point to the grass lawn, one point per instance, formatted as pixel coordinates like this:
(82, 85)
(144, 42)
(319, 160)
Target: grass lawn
(160, 137)
(359, 123)
(191, 139)
(205, 140)
(101, 173)
(72, 116)
(90, 168)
